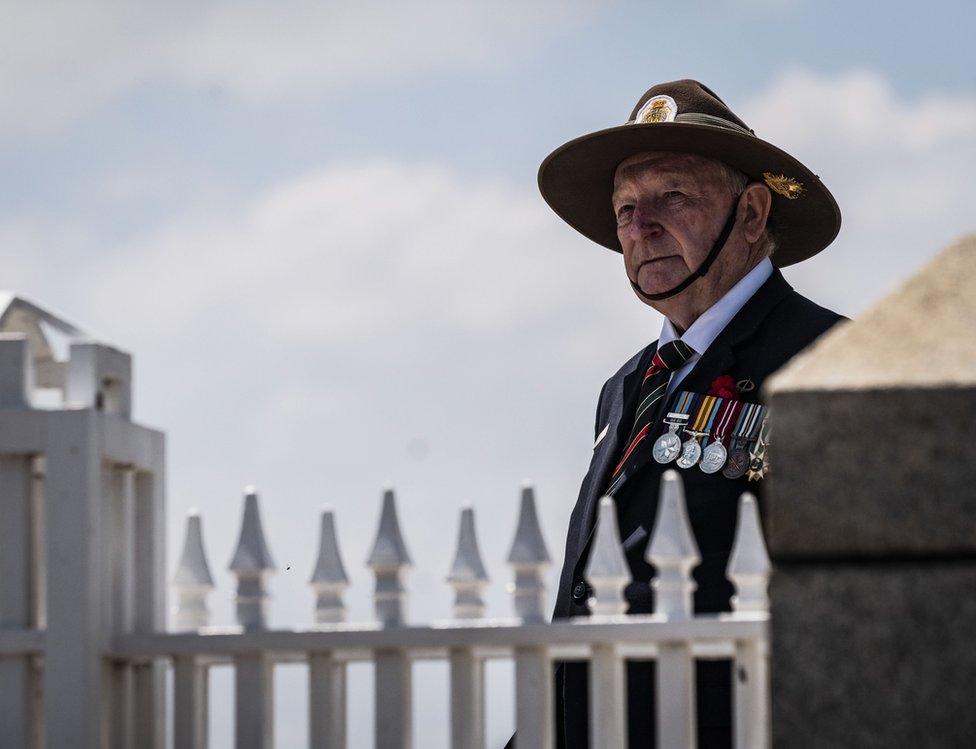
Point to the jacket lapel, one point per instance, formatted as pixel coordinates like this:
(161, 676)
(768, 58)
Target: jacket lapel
(618, 419)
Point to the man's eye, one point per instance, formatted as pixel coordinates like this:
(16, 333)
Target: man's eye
(624, 213)
(672, 194)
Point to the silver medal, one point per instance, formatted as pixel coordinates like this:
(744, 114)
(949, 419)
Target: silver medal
(713, 458)
(667, 447)
(690, 453)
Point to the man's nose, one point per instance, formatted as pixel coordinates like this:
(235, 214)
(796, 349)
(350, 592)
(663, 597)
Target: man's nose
(644, 224)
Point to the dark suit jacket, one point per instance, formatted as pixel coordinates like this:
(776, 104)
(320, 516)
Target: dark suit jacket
(773, 326)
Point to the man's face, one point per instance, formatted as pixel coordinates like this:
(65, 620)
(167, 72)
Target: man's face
(670, 207)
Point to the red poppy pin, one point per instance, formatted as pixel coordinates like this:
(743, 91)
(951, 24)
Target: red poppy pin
(724, 387)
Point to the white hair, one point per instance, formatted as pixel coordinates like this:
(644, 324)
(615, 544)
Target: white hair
(736, 182)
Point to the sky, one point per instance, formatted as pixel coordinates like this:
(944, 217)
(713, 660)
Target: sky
(316, 228)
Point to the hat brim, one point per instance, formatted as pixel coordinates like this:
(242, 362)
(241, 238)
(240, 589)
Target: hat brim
(576, 181)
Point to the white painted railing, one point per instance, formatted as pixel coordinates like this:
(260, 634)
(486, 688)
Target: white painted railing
(673, 635)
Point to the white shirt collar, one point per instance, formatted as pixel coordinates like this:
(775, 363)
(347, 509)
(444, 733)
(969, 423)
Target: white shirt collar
(713, 320)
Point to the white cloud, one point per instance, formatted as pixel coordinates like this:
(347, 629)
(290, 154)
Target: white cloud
(63, 61)
(353, 250)
(859, 112)
(302, 42)
(900, 166)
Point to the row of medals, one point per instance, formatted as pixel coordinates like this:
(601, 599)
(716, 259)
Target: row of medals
(736, 459)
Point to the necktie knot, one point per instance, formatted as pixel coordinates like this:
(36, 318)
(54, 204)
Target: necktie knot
(673, 355)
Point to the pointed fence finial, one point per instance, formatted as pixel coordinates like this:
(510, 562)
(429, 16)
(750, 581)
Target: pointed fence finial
(389, 558)
(607, 570)
(252, 563)
(529, 558)
(468, 575)
(749, 564)
(329, 578)
(192, 581)
(673, 551)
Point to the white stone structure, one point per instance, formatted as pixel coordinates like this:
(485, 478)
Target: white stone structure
(81, 488)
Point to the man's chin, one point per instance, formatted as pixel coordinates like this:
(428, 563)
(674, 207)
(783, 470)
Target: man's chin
(657, 286)
(661, 275)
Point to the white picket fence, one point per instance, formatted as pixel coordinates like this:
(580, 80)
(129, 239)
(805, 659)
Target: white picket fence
(673, 635)
(84, 647)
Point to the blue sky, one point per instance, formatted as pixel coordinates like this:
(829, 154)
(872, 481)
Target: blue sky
(316, 227)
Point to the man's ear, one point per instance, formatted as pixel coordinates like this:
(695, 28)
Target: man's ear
(755, 205)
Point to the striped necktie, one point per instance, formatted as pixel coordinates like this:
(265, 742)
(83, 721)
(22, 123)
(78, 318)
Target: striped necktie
(667, 359)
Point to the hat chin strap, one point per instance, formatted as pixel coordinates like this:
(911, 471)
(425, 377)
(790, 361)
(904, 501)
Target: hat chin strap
(702, 269)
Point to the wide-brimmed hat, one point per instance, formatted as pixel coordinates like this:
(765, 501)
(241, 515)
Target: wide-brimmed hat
(685, 116)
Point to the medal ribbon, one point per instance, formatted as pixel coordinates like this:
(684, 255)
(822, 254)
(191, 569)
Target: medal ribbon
(728, 417)
(717, 408)
(706, 411)
(758, 419)
(743, 418)
(681, 408)
(764, 431)
(749, 422)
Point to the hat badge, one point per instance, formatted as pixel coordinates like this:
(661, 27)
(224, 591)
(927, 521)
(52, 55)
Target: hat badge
(788, 187)
(657, 109)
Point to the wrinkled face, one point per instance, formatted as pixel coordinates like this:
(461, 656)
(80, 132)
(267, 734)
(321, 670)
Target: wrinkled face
(670, 208)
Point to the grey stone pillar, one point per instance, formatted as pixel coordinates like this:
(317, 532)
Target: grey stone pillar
(871, 515)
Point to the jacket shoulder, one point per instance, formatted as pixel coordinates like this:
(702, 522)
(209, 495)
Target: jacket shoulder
(614, 384)
(805, 318)
(628, 366)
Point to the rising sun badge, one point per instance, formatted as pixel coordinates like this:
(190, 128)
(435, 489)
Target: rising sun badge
(788, 187)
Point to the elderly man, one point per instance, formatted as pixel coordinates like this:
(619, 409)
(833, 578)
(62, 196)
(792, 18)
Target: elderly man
(704, 213)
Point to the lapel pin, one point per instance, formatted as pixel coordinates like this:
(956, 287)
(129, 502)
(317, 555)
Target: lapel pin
(602, 435)
(745, 385)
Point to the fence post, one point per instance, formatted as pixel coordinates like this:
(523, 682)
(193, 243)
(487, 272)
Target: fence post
(16, 371)
(388, 560)
(253, 673)
(674, 553)
(468, 577)
(120, 515)
(190, 703)
(749, 569)
(327, 674)
(329, 578)
(192, 582)
(74, 690)
(149, 519)
(393, 684)
(608, 575)
(252, 563)
(533, 666)
(18, 708)
(529, 558)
